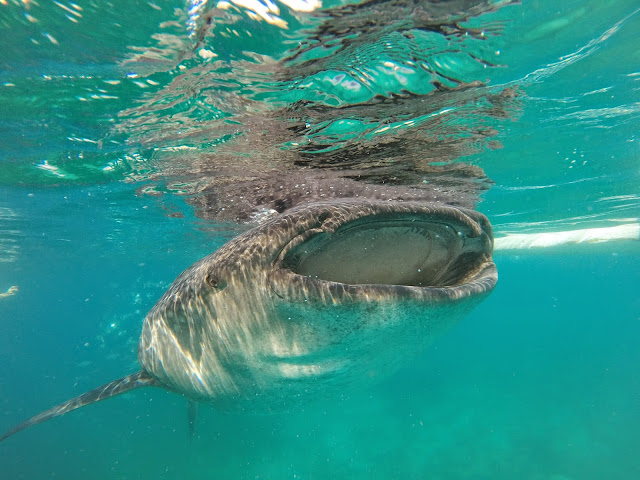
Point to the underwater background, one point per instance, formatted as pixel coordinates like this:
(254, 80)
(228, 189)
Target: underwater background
(126, 128)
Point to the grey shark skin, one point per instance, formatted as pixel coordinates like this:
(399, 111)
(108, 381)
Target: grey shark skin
(321, 297)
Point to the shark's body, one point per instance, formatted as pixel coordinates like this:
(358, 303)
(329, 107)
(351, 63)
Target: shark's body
(319, 298)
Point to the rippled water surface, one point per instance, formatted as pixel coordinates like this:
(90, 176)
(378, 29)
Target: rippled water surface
(137, 137)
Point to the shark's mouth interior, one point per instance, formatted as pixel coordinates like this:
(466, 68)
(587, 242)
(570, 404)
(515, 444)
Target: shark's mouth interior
(412, 250)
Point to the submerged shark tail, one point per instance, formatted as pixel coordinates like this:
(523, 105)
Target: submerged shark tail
(111, 389)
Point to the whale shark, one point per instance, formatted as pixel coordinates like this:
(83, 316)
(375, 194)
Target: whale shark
(365, 242)
(318, 299)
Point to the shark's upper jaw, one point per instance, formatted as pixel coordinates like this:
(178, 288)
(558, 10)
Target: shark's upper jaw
(392, 247)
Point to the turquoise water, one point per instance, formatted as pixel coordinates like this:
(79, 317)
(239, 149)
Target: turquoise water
(116, 124)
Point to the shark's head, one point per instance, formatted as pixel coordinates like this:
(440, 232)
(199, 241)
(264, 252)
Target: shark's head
(284, 302)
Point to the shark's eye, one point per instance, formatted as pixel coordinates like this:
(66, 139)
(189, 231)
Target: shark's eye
(214, 281)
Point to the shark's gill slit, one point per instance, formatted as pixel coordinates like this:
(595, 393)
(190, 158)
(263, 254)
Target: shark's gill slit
(413, 251)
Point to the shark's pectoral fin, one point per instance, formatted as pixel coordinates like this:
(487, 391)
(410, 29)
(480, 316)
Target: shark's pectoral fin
(192, 413)
(111, 389)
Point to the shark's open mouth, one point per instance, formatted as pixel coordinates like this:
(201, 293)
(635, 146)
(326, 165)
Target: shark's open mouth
(407, 246)
(387, 251)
